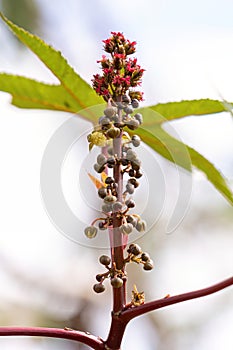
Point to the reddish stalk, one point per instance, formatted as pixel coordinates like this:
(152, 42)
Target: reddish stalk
(82, 337)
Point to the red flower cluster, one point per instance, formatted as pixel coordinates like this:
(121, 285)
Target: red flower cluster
(119, 73)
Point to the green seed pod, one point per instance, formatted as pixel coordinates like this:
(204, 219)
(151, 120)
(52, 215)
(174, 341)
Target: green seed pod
(134, 249)
(135, 103)
(110, 199)
(99, 288)
(131, 155)
(101, 159)
(141, 226)
(135, 164)
(90, 231)
(102, 192)
(136, 141)
(99, 168)
(106, 208)
(117, 206)
(126, 229)
(129, 188)
(110, 111)
(138, 117)
(130, 203)
(145, 257)
(128, 110)
(148, 265)
(132, 124)
(104, 260)
(113, 132)
(134, 182)
(116, 282)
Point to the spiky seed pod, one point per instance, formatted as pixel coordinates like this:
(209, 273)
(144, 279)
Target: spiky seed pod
(109, 180)
(136, 140)
(99, 288)
(126, 228)
(132, 124)
(110, 199)
(128, 110)
(129, 188)
(110, 111)
(130, 203)
(145, 257)
(104, 260)
(106, 208)
(134, 249)
(101, 159)
(117, 206)
(99, 168)
(148, 265)
(141, 226)
(113, 132)
(138, 117)
(135, 103)
(134, 182)
(90, 231)
(116, 282)
(102, 192)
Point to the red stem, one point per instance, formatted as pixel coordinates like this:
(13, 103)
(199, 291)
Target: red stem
(131, 313)
(82, 337)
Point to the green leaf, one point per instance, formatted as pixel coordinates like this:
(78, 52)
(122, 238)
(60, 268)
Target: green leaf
(185, 156)
(176, 110)
(76, 87)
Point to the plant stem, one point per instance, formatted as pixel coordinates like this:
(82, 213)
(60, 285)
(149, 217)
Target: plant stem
(131, 313)
(82, 337)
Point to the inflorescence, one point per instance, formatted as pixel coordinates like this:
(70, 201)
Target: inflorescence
(117, 86)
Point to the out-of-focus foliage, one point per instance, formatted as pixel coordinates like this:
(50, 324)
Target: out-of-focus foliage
(22, 12)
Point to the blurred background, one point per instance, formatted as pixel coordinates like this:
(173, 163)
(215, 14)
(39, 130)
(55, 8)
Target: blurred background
(46, 279)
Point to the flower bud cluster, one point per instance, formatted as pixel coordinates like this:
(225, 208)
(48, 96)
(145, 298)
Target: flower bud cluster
(120, 73)
(136, 255)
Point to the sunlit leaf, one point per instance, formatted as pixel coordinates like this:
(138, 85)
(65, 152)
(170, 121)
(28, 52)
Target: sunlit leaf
(78, 89)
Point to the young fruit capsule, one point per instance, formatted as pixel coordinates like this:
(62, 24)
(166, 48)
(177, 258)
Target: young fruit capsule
(111, 161)
(135, 164)
(126, 99)
(135, 103)
(131, 155)
(128, 110)
(99, 288)
(126, 229)
(106, 208)
(90, 231)
(148, 265)
(130, 203)
(145, 257)
(129, 188)
(134, 182)
(134, 249)
(136, 140)
(109, 180)
(117, 206)
(102, 225)
(138, 117)
(132, 124)
(132, 220)
(110, 111)
(116, 282)
(102, 192)
(141, 226)
(99, 168)
(104, 260)
(110, 199)
(101, 159)
(113, 132)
